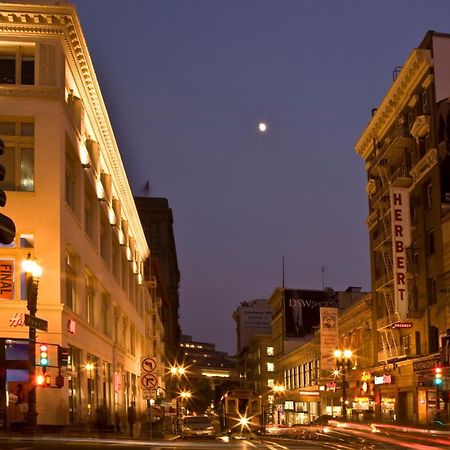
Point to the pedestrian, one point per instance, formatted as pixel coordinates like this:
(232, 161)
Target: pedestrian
(131, 417)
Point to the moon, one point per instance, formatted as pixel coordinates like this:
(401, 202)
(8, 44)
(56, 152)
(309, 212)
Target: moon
(262, 127)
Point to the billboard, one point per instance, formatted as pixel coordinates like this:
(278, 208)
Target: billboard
(302, 310)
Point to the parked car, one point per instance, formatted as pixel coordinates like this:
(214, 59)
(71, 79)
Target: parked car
(197, 426)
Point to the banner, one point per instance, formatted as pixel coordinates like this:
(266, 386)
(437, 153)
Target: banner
(401, 238)
(7, 279)
(329, 337)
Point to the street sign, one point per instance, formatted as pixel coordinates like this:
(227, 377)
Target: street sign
(35, 322)
(148, 364)
(148, 394)
(149, 381)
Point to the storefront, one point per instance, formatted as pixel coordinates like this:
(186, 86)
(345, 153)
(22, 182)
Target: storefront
(362, 405)
(14, 382)
(385, 397)
(427, 394)
(298, 407)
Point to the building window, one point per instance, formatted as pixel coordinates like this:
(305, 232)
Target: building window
(431, 287)
(270, 367)
(71, 281)
(418, 344)
(90, 212)
(269, 351)
(271, 382)
(434, 339)
(430, 243)
(90, 298)
(405, 343)
(106, 314)
(105, 240)
(72, 179)
(27, 241)
(17, 65)
(18, 159)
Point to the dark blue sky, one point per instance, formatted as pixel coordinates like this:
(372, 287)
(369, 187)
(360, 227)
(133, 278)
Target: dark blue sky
(186, 83)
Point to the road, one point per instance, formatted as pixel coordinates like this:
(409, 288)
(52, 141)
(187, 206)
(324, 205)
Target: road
(335, 437)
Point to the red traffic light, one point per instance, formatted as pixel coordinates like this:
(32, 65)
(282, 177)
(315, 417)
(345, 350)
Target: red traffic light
(40, 380)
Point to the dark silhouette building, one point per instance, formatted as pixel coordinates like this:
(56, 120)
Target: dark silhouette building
(163, 272)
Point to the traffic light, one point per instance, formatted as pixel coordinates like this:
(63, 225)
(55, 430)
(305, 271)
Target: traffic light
(438, 376)
(40, 379)
(63, 356)
(43, 380)
(43, 355)
(7, 226)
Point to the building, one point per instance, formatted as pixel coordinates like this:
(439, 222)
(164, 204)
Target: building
(405, 149)
(296, 314)
(75, 214)
(157, 222)
(260, 368)
(253, 318)
(307, 388)
(201, 359)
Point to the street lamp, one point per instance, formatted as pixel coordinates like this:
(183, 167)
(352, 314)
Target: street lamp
(178, 371)
(33, 272)
(184, 395)
(343, 361)
(278, 390)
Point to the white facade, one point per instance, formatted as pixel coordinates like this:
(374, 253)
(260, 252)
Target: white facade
(69, 197)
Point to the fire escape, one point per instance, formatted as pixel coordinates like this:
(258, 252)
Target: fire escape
(383, 176)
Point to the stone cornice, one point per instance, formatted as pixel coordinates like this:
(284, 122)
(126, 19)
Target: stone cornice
(395, 100)
(61, 21)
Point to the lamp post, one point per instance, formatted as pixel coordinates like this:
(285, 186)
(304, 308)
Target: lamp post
(343, 360)
(278, 389)
(178, 371)
(33, 272)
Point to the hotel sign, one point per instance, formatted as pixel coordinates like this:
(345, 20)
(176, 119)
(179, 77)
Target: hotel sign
(401, 238)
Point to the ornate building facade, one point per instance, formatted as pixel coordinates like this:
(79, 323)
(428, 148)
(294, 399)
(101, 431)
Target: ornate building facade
(405, 149)
(69, 197)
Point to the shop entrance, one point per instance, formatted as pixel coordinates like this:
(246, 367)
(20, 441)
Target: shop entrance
(14, 382)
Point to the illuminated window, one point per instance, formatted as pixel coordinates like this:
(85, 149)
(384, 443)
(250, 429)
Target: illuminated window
(269, 351)
(270, 367)
(18, 159)
(271, 382)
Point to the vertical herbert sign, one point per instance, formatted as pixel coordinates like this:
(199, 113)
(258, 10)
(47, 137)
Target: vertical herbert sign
(401, 239)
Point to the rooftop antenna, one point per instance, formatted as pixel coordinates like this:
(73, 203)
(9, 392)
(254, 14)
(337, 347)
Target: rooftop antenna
(283, 273)
(323, 278)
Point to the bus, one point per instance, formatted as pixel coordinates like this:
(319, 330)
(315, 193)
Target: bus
(241, 412)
